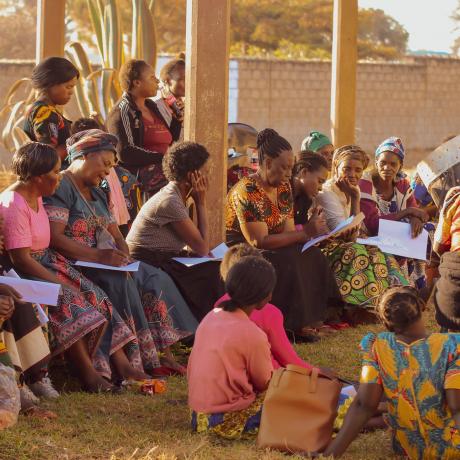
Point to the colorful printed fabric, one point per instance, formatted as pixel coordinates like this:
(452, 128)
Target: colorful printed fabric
(393, 145)
(135, 297)
(44, 123)
(447, 234)
(414, 379)
(242, 424)
(248, 202)
(131, 191)
(91, 140)
(363, 273)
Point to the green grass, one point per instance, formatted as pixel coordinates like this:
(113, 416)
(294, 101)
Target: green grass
(144, 428)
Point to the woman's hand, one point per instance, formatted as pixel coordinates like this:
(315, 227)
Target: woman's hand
(345, 186)
(200, 185)
(6, 307)
(419, 214)
(416, 226)
(113, 257)
(8, 291)
(316, 225)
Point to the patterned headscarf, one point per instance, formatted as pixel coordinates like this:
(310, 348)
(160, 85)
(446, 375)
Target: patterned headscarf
(91, 140)
(346, 152)
(315, 141)
(393, 145)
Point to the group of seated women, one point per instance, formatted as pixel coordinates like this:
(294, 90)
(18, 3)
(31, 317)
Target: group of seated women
(80, 190)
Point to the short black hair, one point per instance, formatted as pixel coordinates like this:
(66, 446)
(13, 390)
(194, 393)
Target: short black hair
(270, 144)
(248, 282)
(171, 66)
(400, 307)
(130, 71)
(83, 124)
(53, 71)
(34, 159)
(310, 161)
(182, 158)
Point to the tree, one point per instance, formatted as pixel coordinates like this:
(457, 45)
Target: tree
(456, 17)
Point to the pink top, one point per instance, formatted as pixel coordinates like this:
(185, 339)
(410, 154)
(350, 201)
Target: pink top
(230, 362)
(271, 320)
(23, 227)
(117, 200)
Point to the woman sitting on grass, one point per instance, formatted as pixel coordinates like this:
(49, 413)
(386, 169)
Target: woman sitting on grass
(230, 365)
(419, 373)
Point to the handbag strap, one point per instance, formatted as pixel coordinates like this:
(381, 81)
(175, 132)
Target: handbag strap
(313, 380)
(69, 176)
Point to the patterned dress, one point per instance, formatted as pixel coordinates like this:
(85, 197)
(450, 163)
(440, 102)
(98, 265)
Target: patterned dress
(414, 378)
(142, 299)
(45, 123)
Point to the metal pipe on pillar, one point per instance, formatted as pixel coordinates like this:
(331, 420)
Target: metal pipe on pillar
(206, 108)
(344, 64)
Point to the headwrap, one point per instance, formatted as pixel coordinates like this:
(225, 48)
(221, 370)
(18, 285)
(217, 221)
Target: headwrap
(393, 145)
(315, 141)
(348, 151)
(91, 140)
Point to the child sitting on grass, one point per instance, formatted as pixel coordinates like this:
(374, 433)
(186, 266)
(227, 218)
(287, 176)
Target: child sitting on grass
(269, 318)
(230, 365)
(419, 373)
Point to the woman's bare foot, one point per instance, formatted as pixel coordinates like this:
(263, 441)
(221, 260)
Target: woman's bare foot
(38, 412)
(97, 384)
(130, 373)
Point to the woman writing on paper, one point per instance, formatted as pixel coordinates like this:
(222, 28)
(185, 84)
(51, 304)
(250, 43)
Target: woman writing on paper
(363, 273)
(163, 228)
(260, 211)
(83, 228)
(386, 194)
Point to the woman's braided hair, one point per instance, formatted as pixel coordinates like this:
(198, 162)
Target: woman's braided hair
(310, 161)
(399, 307)
(349, 151)
(270, 144)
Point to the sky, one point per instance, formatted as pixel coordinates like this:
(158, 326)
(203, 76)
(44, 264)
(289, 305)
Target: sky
(427, 21)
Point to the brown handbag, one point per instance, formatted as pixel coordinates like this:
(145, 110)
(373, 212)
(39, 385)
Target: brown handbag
(299, 410)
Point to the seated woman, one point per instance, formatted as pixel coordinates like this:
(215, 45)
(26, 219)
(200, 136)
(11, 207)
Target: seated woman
(144, 135)
(260, 212)
(446, 294)
(83, 228)
(320, 144)
(78, 324)
(386, 194)
(230, 366)
(163, 228)
(116, 198)
(419, 373)
(363, 273)
(55, 79)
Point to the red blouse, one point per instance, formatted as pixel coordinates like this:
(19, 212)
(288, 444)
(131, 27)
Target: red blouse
(157, 137)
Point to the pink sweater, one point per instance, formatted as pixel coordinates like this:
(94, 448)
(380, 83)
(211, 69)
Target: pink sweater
(271, 320)
(230, 362)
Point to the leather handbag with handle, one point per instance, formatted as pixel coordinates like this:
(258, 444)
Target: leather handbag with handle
(299, 410)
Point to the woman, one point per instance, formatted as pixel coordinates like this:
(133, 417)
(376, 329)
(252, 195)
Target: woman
(386, 194)
(82, 228)
(163, 228)
(363, 273)
(230, 365)
(320, 144)
(418, 373)
(144, 135)
(55, 79)
(260, 212)
(446, 295)
(170, 101)
(82, 324)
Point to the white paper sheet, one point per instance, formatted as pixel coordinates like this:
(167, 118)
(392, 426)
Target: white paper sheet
(34, 291)
(218, 252)
(133, 267)
(395, 238)
(42, 316)
(332, 233)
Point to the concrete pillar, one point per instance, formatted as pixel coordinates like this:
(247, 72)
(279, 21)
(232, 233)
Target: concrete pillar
(50, 29)
(344, 62)
(206, 108)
